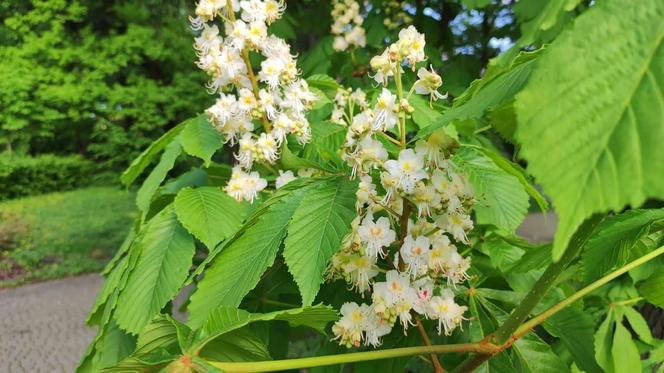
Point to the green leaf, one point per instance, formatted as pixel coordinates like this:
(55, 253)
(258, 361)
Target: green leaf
(241, 262)
(226, 319)
(316, 230)
(518, 172)
(593, 148)
(610, 245)
(158, 174)
(209, 214)
(652, 288)
(603, 340)
(575, 329)
(626, 356)
(501, 199)
(499, 85)
(166, 251)
(111, 283)
(325, 83)
(142, 161)
(200, 139)
(423, 115)
(290, 161)
(638, 324)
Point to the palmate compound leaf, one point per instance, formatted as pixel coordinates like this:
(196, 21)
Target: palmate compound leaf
(209, 213)
(611, 244)
(237, 268)
(501, 198)
(594, 146)
(200, 139)
(316, 230)
(166, 252)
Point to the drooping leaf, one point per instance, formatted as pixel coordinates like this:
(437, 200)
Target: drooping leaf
(575, 329)
(209, 214)
(593, 148)
(238, 345)
(315, 232)
(241, 262)
(142, 161)
(501, 199)
(226, 319)
(158, 174)
(611, 244)
(200, 139)
(166, 251)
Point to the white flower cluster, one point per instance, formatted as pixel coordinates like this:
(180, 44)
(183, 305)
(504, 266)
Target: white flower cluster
(275, 96)
(347, 26)
(413, 211)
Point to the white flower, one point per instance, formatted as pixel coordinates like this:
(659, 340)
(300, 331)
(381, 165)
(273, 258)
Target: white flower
(395, 296)
(410, 45)
(375, 328)
(386, 116)
(448, 313)
(266, 145)
(426, 199)
(424, 290)
(247, 150)
(247, 101)
(371, 152)
(361, 269)
(281, 127)
(222, 110)
(267, 101)
(245, 186)
(284, 178)
(209, 39)
(348, 330)
(383, 67)
(340, 44)
(376, 235)
(271, 69)
(457, 224)
(415, 254)
(428, 83)
(408, 169)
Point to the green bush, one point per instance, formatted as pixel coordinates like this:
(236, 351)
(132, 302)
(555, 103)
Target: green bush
(24, 175)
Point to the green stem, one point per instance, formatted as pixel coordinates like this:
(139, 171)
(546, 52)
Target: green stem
(402, 118)
(627, 302)
(318, 361)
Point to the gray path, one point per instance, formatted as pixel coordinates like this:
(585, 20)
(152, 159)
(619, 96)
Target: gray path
(42, 326)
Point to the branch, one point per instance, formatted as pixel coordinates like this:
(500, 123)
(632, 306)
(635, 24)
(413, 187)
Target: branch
(427, 342)
(477, 360)
(318, 361)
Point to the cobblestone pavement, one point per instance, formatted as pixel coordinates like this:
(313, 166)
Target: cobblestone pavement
(42, 326)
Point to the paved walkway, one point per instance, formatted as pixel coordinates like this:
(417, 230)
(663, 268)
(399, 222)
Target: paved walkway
(42, 326)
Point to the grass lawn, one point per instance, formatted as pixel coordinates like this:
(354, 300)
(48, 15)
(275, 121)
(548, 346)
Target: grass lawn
(61, 234)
